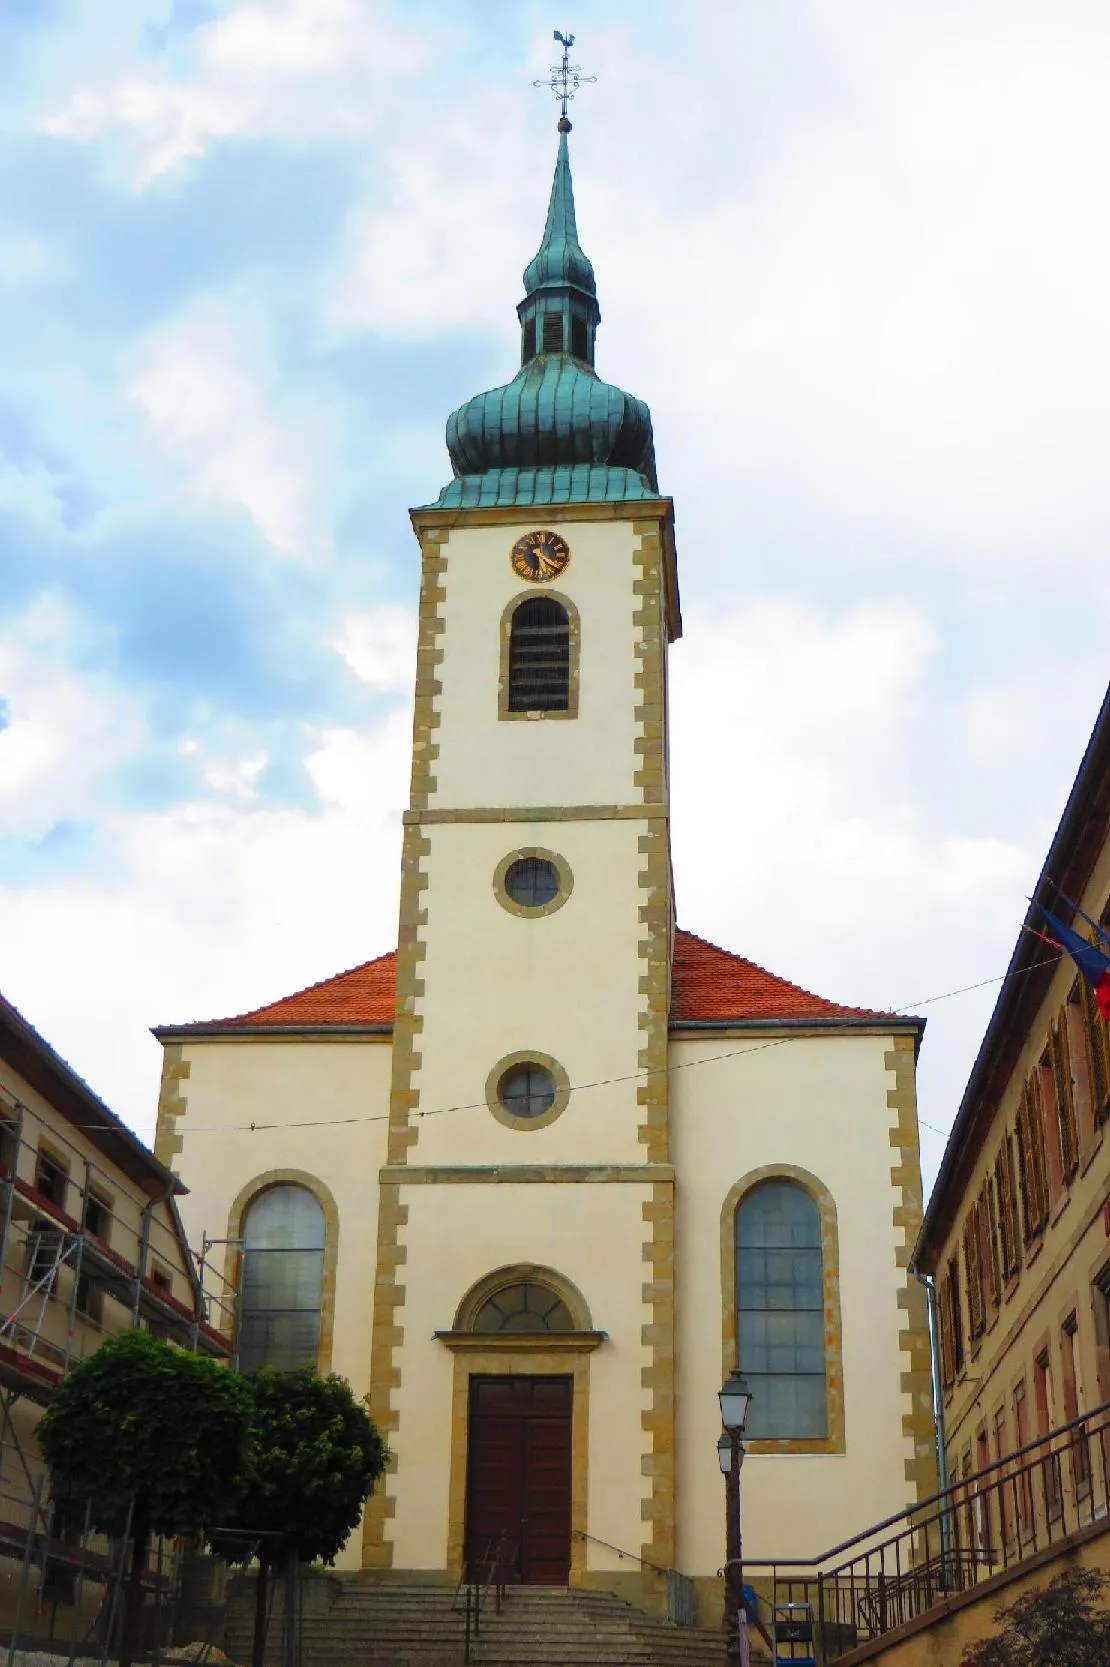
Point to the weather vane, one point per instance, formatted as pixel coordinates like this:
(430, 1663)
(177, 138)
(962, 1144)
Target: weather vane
(565, 80)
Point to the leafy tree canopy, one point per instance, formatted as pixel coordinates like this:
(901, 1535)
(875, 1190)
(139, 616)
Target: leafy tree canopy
(1059, 1625)
(315, 1456)
(141, 1420)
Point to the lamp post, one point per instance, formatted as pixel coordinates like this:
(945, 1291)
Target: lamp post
(734, 1397)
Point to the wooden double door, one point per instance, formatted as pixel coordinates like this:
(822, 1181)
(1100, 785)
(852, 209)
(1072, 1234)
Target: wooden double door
(519, 1475)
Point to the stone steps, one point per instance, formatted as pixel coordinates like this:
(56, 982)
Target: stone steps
(363, 1622)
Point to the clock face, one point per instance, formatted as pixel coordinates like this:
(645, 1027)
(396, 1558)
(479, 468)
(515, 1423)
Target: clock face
(539, 556)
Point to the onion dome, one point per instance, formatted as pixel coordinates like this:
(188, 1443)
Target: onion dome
(556, 433)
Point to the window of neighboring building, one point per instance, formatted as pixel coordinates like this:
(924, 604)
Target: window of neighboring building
(1100, 1305)
(1052, 1493)
(1071, 1395)
(161, 1278)
(51, 1177)
(282, 1279)
(9, 1144)
(89, 1299)
(982, 1500)
(539, 656)
(780, 1302)
(1024, 1486)
(98, 1216)
(1005, 1514)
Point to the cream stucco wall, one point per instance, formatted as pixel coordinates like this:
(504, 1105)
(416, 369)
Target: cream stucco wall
(566, 985)
(234, 1082)
(457, 1234)
(818, 1103)
(484, 760)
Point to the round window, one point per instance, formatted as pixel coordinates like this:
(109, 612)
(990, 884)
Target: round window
(533, 882)
(527, 1090)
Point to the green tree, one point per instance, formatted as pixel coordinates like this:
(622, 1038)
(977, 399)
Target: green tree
(315, 1456)
(1059, 1625)
(146, 1439)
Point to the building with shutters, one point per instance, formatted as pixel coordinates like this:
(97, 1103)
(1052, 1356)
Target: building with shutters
(538, 1178)
(1017, 1233)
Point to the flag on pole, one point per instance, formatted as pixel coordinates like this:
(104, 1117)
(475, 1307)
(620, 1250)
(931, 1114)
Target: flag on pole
(1092, 961)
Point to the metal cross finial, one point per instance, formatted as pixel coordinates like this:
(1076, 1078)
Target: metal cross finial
(565, 79)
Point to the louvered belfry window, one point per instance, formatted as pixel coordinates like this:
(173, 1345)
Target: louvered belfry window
(539, 657)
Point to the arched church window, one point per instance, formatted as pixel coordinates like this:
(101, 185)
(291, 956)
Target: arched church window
(282, 1279)
(524, 1307)
(780, 1311)
(539, 656)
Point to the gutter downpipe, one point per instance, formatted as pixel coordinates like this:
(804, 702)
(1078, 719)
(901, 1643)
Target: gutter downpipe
(938, 1398)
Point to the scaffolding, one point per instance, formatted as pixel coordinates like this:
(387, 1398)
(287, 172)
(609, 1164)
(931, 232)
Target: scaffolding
(89, 1248)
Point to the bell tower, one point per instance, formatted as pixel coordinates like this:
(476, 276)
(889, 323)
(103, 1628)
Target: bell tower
(529, 1105)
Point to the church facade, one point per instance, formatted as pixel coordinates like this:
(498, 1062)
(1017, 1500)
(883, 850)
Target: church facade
(536, 1181)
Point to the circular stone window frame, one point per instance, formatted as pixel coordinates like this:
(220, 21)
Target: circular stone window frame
(528, 1056)
(528, 911)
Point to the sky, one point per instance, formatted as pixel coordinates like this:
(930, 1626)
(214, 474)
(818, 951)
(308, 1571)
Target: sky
(856, 256)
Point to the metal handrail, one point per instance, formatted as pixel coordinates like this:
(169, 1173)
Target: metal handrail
(634, 1557)
(999, 1516)
(910, 1512)
(475, 1590)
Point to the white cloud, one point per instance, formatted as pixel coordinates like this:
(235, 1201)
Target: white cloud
(803, 748)
(209, 909)
(265, 68)
(379, 646)
(61, 735)
(206, 408)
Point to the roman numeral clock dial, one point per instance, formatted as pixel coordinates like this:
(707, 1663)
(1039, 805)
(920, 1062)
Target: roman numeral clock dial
(539, 556)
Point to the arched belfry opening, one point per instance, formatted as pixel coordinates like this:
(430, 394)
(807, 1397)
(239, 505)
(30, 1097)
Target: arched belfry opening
(539, 656)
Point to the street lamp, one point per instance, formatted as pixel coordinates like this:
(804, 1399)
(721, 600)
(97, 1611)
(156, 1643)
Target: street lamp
(735, 1398)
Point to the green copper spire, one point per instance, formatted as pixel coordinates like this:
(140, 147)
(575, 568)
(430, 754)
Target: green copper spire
(560, 261)
(556, 433)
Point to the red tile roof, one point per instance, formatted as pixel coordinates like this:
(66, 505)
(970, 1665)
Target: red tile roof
(712, 983)
(709, 984)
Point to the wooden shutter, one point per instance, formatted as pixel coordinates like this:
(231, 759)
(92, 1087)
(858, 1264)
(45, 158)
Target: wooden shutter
(976, 1311)
(1037, 1161)
(947, 1351)
(1098, 1050)
(957, 1318)
(988, 1238)
(1007, 1206)
(1065, 1100)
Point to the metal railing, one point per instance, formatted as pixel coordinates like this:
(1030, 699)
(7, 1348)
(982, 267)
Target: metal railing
(680, 1602)
(479, 1577)
(992, 1520)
